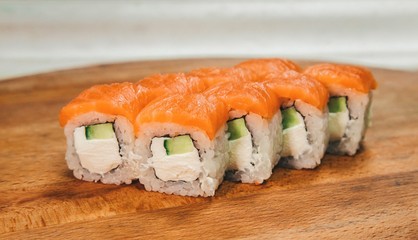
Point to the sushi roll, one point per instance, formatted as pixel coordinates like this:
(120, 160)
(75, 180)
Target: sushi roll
(254, 129)
(349, 104)
(99, 128)
(182, 133)
(183, 146)
(99, 131)
(304, 118)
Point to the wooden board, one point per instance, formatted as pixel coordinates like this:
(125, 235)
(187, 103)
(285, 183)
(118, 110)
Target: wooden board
(374, 194)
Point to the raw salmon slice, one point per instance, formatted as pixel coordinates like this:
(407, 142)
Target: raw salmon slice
(356, 78)
(247, 96)
(213, 76)
(293, 85)
(115, 99)
(163, 85)
(264, 67)
(207, 114)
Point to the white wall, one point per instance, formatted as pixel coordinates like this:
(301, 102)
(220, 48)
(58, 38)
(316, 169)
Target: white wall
(37, 36)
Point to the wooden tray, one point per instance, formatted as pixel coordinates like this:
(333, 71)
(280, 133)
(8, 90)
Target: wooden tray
(374, 194)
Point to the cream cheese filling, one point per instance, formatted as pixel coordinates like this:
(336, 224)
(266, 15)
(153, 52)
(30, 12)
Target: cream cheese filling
(295, 140)
(177, 167)
(240, 153)
(337, 123)
(96, 155)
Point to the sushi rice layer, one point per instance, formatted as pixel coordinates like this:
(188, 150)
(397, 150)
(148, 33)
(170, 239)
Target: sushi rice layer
(212, 155)
(263, 153)
(124, 133)
(316, 127)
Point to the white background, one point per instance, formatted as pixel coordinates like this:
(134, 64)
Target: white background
(39, 36)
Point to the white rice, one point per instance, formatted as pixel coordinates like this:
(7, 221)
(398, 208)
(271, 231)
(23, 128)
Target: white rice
(316, 123)
(267, 141)
(358, 105)
(126, 171)
(213, 154)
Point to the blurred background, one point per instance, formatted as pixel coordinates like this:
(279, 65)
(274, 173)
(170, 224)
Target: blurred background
(39, 36)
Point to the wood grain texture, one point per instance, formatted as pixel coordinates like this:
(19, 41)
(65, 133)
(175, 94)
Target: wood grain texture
(371, 195)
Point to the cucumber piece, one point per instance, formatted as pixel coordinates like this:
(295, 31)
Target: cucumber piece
(337, 104)
(178, 145)
(338, 118)
(100, 131)
(290, 118)
(237, 129)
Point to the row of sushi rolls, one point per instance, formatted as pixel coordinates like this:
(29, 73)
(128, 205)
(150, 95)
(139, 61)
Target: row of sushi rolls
(184, 133)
